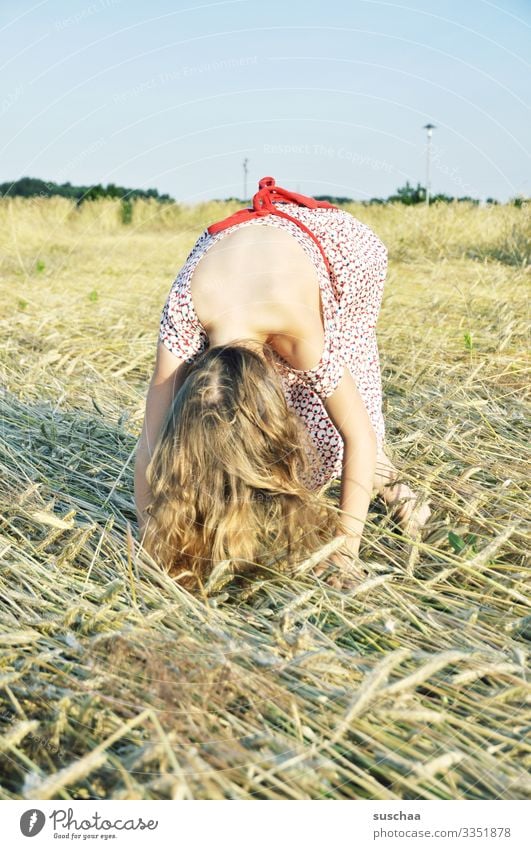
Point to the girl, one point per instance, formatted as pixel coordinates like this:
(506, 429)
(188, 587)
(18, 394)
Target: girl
(266, 387)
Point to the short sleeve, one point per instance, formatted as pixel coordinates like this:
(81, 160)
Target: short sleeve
(180, 330)
(324, 384)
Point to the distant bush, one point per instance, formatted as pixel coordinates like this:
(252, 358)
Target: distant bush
(519, 201)
(126, 211)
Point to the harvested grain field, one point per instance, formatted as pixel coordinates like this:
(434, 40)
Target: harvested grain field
(116, 683)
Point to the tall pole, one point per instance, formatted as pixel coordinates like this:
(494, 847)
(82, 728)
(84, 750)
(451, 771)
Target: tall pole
(245, 161)
(429, 128)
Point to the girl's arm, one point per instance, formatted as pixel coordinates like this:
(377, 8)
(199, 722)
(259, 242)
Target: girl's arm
(349, 415)
(168, 376)
(359, 463)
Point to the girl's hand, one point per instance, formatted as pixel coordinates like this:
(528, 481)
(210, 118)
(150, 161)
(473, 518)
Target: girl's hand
(406, 510)
(343, 570)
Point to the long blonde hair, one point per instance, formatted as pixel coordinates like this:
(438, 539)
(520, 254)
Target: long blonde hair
(228, 474)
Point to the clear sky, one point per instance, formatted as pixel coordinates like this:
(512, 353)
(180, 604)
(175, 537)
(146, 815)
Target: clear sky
(327, 96)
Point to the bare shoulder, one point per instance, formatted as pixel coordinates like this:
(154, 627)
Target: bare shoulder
(257, 277)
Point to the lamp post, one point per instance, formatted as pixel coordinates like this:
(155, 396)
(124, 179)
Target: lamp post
(245, 161)
(429, 128)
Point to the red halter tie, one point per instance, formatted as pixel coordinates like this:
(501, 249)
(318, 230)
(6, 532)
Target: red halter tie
(263, 204)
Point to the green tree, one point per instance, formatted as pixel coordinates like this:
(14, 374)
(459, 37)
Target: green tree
(409, 195)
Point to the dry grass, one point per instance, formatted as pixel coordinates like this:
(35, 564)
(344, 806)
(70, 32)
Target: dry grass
(117, 684)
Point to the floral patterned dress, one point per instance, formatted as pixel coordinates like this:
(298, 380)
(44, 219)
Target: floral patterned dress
(351, 264)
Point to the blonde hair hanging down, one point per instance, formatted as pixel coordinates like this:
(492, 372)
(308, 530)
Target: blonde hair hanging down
(227, 474)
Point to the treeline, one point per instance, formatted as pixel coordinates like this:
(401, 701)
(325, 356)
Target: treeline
(411, 195)
(33, 187)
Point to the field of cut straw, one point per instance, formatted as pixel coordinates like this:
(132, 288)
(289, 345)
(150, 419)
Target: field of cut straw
(116, 684)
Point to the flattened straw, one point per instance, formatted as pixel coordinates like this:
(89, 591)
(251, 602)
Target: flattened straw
(320, 555)
(17, 734)
(84, 766)
(440, 764)
(71, 774)
(479, 560)
(368, 689)
(420, 675)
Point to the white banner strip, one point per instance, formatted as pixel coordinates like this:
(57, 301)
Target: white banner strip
(308, 824)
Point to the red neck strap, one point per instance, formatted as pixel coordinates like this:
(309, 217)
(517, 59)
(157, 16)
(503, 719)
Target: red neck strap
(263, 204)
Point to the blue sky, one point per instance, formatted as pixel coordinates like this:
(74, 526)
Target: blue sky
(327, 96)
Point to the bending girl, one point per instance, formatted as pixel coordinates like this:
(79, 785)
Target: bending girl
(266, 387)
